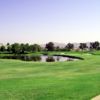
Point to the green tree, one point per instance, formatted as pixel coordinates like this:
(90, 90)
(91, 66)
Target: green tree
(9, 47)
(57, 48)
(15, 48)
(50, 46)
(83, 46)
(69, 46)
(27, 47)
(95, 45)
(22, 48)
(2, 48)
(35, 48)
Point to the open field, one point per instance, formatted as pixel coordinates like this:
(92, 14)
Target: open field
(74, 80)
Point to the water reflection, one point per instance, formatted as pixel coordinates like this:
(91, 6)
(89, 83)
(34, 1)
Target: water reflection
(43, 58)
(56, 58)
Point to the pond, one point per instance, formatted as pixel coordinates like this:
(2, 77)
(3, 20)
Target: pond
(42, 58)
(55, 58)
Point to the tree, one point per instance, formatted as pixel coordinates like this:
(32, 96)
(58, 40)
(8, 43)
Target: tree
(9, 47)
(22, 48)
(27, 47)
(83, 46)
(2, 48)
(15, 48)
(94, 45)
(35, 47)
(50, 46)
(69, 46)
(8, 44)
(57, 48)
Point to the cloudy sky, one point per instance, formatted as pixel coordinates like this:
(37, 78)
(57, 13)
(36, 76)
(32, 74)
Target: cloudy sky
(41, 21)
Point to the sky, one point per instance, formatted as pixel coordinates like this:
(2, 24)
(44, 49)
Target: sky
(42, 21)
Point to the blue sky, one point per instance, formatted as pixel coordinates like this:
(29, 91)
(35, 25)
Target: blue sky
(41, 21)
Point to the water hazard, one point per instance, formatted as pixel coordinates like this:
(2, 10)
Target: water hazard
(42, 58)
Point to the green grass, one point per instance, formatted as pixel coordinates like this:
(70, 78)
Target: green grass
(74, 80)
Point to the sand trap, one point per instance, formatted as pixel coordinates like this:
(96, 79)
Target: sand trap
(96, 98)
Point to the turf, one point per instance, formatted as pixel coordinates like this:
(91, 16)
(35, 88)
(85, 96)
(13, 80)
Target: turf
(73, 80)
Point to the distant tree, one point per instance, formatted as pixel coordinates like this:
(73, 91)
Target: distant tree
(57, 48)
(8, 47)
(69, 46)
(27, 47)
(15, 48)
(2, 48)
(8, 44)
(35, 48)
(50, 46)
(22, 48)
(95, 45)
(83, 46)
(91, 46)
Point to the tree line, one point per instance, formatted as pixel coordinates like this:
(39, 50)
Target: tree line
(17, 48)
(70, 46)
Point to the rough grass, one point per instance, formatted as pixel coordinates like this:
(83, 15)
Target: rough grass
(74, 80)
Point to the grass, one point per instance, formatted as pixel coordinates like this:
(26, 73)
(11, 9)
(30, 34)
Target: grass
(76, 80)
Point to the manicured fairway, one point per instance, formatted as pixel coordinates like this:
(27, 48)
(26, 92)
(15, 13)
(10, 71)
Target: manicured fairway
(74, 80)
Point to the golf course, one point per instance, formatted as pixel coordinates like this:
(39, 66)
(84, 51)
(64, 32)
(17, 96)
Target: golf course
(68, 80)
(49, 49)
